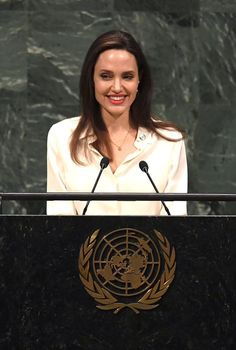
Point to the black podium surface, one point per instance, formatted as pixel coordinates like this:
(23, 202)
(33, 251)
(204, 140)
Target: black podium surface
(44, 304)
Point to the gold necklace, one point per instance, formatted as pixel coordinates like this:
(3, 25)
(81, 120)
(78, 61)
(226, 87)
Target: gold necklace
(119, 147)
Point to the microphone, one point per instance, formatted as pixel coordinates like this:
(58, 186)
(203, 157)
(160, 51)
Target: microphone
(103, 164)
(144, 167)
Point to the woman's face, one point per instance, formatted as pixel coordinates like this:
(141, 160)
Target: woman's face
(116, 82)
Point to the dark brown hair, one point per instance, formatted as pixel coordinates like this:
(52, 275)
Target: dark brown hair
(91, 121)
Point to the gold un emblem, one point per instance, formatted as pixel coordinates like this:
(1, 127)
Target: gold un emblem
(127, 268)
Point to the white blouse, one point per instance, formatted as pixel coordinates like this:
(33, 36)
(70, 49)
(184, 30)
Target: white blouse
(167, 167)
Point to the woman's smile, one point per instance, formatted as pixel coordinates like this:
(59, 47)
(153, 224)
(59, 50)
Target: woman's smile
(117, 99)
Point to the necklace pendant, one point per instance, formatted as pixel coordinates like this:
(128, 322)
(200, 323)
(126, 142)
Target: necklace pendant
(119, 148)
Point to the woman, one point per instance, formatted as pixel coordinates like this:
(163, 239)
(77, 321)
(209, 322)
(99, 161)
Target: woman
(116, 122)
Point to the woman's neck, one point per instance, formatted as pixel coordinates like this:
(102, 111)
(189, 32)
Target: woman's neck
(116, 123)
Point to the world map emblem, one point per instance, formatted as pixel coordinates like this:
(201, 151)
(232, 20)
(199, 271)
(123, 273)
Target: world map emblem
(127, 268)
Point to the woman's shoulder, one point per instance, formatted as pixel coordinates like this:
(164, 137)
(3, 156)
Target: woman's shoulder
(65, 125)
(63, 129)
(170, 134)
(168, 130)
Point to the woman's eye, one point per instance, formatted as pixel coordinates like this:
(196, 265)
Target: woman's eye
(105, 76)
(128, 77)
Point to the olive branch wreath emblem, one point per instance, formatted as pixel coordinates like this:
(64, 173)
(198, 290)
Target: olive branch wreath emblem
(106, 300)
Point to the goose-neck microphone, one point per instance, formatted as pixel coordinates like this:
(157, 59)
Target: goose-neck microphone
(144, 167)
(103, 164)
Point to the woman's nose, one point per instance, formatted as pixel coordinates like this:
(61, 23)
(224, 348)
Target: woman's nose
(117, 86)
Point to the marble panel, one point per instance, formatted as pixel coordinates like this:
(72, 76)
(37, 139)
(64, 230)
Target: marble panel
(70, 5)
(212, 160)
(13, 62)
(13, 119)
(13, 5)
(217, 48)
(218, 5)
(13, 113)
(158, 5)
(213, 163)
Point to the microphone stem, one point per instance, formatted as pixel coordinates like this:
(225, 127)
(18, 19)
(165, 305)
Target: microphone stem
(154, 186)
(96, 182)
(93, 189)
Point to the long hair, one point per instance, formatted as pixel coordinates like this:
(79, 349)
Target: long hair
(91, 121)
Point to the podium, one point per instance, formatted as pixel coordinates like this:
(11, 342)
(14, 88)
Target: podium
(45, 304)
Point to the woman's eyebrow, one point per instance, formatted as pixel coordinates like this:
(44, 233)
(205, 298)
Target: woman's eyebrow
(110, 71)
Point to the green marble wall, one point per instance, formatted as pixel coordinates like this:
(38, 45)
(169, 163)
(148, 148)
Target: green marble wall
(190, 45)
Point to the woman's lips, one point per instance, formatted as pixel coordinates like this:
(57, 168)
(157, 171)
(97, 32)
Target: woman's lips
(116, 100)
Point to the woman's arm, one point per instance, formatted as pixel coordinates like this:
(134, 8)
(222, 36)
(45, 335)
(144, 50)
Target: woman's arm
(177, 180)
(55, 175)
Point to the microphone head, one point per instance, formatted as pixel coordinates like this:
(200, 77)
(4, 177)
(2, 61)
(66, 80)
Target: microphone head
(143, 166)
(104, 162)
